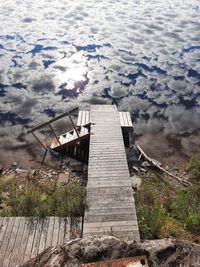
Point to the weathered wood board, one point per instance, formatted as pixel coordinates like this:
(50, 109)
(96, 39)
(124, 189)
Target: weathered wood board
(22, 238)
(84, 118)
(110, 202)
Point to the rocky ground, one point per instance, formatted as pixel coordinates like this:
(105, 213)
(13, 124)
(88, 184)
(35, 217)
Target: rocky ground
(72, 171)
(15, 176)
(76, 172)
(64, 174)
(144, 170)
(164, 252)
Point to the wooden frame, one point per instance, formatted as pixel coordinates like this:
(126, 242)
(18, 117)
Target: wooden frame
(41, 125)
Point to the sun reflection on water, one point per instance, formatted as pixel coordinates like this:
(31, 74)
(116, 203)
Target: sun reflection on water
(72, 70)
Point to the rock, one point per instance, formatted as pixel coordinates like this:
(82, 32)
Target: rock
(4, 172)
(32, 173)
(145, 164)
(75, 249)
(63, 178)
(21, 171)
(162, 253)
(143, 170)
(5, 195)
(77, 167)
(91, 252)
(1, 170)
(20, 187)
(135, 182)
(14, 164)
(136, 169)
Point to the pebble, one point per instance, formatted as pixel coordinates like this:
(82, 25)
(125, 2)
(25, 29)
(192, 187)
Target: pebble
(21, 171)
(136, 169)
(145, 164)
(143, 170)
(14, 164)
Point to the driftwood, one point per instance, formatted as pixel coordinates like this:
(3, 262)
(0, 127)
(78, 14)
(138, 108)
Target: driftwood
(155, 164)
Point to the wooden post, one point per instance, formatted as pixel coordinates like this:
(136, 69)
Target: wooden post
(44, 156)
(38, 140)
(54, 133)
(73, 125)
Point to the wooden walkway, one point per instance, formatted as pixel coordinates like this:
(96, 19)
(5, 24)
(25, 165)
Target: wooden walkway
(23, 238)
(110, 207)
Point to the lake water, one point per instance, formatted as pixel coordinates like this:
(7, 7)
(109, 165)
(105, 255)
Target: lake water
(143, 56)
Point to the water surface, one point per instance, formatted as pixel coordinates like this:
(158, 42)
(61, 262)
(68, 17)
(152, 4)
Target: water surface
(143, 56)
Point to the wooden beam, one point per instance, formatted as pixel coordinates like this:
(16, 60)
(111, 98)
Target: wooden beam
(39, 140)
(54, 133)
(52, 120)
(155, 164)
(73, 125)
(44, 156)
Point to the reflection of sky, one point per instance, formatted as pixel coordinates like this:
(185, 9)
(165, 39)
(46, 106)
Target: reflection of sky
(143, 56)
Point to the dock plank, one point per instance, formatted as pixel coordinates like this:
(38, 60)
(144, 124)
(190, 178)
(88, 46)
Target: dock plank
(6, 239)
(11, 242)
(32, 232)
(43, 237)
(18, 242)
(50, 232)
(4, 223)
(110, 201)
(55, 232)
(23, 237)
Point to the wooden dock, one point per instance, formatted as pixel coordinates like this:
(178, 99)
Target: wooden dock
(23, 238)
(110, 207)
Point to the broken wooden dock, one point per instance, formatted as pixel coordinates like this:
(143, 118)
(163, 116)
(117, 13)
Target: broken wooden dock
(23, 238)
(110, 207)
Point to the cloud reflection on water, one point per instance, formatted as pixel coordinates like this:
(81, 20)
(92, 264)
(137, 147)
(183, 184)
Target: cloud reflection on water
(143, 56)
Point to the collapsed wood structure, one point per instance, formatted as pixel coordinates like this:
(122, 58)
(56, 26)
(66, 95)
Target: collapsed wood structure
(23, 238)
(75, 141)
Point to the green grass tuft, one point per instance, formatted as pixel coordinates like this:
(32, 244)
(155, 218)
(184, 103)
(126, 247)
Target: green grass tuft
(166, 211)
(39, 200)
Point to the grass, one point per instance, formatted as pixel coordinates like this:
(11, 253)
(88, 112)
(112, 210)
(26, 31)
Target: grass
(193, 167)
(34, 199)
(166, 211)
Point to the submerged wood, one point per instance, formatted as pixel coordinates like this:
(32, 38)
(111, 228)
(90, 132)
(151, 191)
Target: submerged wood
(155, 164)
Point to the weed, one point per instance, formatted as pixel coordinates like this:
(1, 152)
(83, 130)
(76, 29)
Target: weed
(165, 211)
(39, 201)
(193, 167)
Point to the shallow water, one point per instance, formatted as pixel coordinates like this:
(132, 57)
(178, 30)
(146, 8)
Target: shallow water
(143, 56)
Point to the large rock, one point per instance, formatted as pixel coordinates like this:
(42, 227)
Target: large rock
(135, 182)
(63, 178)
(162, 253)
